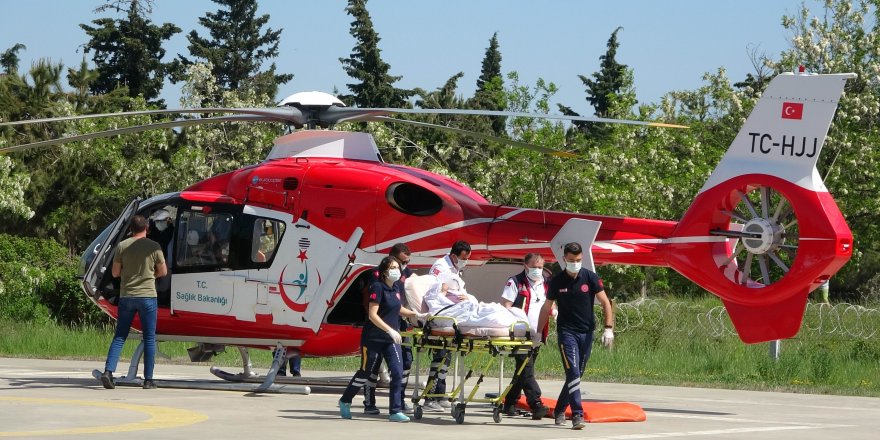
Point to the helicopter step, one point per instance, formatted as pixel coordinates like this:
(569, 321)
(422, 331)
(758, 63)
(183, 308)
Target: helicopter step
(266, 381)
(338, 381)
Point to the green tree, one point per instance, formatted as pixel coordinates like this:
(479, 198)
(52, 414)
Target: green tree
(81, 80)
(208, 150)
(29, 96)
(376, 86)
(238, 47)
(9, 60)
(490, 87)
(128, 52)
(845, 37)
(603, 88)
(12, 185)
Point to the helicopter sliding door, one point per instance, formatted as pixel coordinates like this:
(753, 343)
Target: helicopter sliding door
(93, 276)
(211, 260)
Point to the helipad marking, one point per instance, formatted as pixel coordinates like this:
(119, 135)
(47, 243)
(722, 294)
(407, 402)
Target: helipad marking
(160, 417)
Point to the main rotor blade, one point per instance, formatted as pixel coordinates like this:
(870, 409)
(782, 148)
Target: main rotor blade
(136, 129)
(289, 114)
(342, 114)
(474, 134)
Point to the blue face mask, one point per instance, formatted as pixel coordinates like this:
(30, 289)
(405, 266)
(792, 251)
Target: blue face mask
(534, 273)
(393, 274)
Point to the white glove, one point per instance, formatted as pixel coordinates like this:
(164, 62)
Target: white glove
(608, 338)
(422, 317)
(395, 336)
(537, 339)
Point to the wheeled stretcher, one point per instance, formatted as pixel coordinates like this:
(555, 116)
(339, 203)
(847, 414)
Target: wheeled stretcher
(474, 352)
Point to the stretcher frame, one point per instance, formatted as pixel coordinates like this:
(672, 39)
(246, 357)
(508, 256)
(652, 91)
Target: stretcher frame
(484, 351)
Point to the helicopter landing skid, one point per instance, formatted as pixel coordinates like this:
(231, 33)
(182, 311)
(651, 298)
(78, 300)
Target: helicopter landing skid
(131, 378)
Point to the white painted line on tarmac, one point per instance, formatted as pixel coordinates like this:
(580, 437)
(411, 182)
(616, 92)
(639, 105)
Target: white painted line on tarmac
(734, 419)
(711, 432)
(871, 408)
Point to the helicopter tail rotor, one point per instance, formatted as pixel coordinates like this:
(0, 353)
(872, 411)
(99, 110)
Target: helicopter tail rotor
(764, 232)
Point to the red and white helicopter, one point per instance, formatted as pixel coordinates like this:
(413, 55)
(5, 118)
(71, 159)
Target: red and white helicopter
(267, 256)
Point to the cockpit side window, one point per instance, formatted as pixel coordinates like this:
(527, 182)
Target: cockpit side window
(267, 234)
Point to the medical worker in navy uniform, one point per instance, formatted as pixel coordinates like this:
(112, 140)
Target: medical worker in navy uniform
(381, 339)
(575, 290)
(401, 253)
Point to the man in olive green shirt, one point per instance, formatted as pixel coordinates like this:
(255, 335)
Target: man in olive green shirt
(137, 261)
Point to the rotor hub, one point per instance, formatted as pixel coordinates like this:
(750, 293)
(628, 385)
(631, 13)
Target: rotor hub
(765, 236)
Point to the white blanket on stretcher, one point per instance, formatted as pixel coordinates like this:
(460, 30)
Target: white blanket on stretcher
(468, 312)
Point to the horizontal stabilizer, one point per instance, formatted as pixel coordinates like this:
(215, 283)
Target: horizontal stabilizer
(580, 231)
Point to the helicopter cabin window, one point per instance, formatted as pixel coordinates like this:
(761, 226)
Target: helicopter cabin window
(204, 238)
(266, 236)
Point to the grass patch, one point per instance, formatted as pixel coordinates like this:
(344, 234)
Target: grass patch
(681, 354)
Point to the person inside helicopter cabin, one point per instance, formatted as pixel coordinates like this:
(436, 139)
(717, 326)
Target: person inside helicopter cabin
(380, 339)
(219, 237)
(162, 231)
(401, 253)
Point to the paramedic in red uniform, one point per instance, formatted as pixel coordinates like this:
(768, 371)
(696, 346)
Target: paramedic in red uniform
(527, 291)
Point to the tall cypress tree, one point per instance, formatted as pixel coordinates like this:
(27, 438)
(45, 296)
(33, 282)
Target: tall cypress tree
(490, 86)
(608, 82)
(238, 47)
(128, 52)
(376, 86)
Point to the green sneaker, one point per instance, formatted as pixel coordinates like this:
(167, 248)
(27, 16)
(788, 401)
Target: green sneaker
(344, 410)
(398, 417)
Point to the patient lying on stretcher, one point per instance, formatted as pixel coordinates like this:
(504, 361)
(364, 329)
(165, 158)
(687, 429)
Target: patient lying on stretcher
(448, 297)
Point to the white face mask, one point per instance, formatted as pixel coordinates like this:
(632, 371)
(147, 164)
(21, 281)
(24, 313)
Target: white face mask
(393, 274)
(161, 225)
(461, 264)
(534, 273)
(573, 267)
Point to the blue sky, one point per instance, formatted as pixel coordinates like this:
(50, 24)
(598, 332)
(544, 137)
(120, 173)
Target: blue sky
(669, 44)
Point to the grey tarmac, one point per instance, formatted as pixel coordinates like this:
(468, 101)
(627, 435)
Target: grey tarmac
(53, 399)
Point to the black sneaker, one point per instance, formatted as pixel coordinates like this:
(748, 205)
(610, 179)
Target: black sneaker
(577, 422)
(372, 409)
(560, 419)
(149, 384)
(107, 380)
(539, 411)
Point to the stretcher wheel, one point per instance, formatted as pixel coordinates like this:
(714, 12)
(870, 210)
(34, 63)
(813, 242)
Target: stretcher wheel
(417, 413)
(458, 413)
(496, 414)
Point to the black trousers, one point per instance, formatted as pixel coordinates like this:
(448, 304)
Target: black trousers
(526, 382)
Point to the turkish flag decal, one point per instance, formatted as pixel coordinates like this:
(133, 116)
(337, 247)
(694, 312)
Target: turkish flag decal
(792, 110)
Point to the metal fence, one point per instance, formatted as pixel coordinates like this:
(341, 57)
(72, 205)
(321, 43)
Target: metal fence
(696, 319)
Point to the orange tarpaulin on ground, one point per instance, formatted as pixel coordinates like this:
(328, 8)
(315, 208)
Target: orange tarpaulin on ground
(598, 412)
